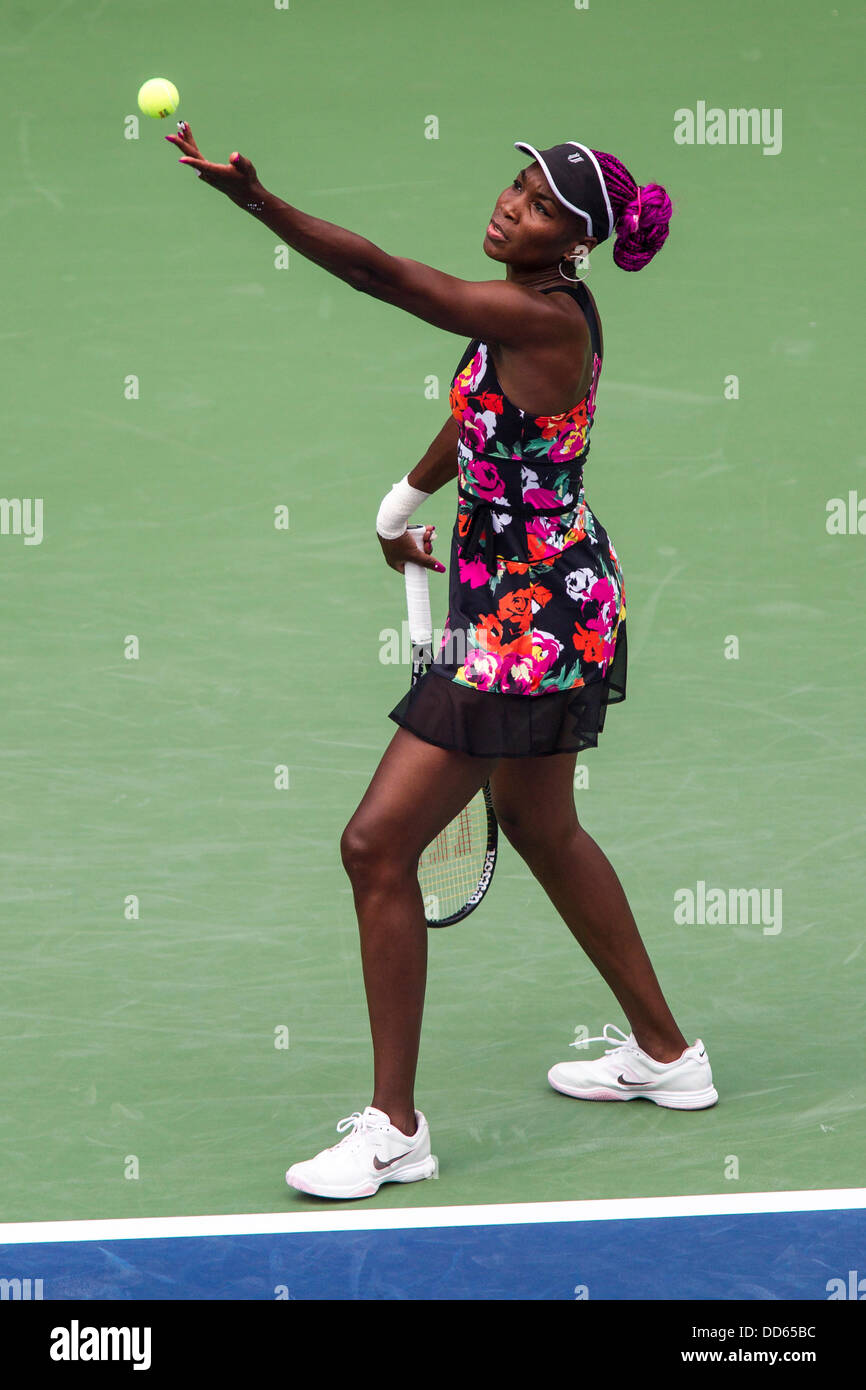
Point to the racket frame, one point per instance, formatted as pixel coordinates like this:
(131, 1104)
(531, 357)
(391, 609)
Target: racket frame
(421, 638)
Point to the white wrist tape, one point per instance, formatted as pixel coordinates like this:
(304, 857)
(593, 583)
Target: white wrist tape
(397, 507)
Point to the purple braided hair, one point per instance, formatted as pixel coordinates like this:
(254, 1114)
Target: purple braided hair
(640, 215)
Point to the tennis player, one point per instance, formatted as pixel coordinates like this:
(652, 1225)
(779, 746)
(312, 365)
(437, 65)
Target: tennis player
(535, 644)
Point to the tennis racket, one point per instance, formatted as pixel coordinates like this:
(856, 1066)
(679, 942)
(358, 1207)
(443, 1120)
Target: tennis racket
(455, 870)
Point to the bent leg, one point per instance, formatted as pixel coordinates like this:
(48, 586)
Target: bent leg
(534, 801)
(415, 792)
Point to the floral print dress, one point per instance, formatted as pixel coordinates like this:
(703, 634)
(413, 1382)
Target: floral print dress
(534, 647)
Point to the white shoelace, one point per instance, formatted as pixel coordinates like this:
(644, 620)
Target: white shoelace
(622, 1041)
(360, 1125)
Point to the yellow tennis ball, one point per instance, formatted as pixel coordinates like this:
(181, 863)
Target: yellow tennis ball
(158, 97)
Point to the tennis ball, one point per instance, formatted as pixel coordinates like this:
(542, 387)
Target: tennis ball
(158, 97)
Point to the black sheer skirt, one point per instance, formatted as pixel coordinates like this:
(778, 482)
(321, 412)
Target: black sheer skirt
(490, 725)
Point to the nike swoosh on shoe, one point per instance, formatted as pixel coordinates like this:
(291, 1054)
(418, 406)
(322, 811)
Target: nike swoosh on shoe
(379, 1166)
(622, 1081)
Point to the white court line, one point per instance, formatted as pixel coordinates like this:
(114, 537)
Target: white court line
(500, 1214)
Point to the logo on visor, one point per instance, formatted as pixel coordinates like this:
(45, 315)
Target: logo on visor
(576, 158)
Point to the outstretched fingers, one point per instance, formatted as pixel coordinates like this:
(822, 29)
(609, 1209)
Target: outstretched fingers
(185, 140)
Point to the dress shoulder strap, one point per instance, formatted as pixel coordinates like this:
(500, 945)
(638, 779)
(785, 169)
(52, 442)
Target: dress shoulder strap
(578, 291)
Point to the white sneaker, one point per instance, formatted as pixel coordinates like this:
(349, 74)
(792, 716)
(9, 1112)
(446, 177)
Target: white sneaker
(374, 1152)
(626, 1072)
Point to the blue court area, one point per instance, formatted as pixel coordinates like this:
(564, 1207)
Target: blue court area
(536, 1252)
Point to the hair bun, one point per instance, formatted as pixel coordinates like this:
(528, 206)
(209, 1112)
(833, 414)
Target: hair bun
(642, 227)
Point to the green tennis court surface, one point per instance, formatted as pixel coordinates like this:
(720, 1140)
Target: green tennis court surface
(182, 1007)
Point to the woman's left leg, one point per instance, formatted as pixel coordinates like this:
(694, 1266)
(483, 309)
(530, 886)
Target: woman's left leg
(534, 802)
(415, 792)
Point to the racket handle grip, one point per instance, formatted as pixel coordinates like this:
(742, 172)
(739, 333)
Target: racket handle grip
(418, 595)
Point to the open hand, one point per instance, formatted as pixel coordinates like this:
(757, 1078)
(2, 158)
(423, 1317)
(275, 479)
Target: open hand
(237, 179)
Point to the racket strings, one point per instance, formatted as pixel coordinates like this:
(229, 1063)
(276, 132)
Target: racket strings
(450, 868)
(455, 839)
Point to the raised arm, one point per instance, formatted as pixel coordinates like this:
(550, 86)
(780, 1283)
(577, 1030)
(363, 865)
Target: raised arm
(499, 311)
